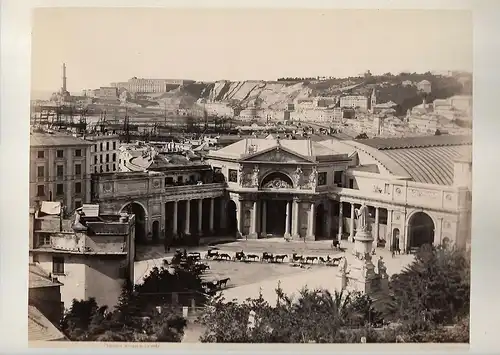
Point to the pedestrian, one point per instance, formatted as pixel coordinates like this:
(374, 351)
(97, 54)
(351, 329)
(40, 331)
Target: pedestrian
(166, 243)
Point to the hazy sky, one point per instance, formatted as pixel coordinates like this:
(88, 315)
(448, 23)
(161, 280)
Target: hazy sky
(100, 45)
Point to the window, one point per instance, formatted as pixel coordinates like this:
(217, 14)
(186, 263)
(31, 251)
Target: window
(337, 177)
(107, 168)
(95, 169)
(191, 178)
(100, 158)
(114, 167)
(78, 152)
(100, 169)
(95, 147)
(107, 145)
(322, 178)
(169, 180)
(41, 154)
(40, 171)
(351, 183)
(60, 171)
(78, 187)
(107, 158)
(57, 265)
(40, 190)
(60, 153)
(43, 239)
(100, 146)
(59, 189)
(114, 156)
(78, 169)
(95, 159)
(233, 175)
(78, 204)
(179, 178)
(114, 145)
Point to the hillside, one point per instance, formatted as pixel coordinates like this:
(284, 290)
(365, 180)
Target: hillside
(277, 94)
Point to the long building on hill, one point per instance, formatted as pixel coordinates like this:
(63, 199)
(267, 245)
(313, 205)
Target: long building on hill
(141, 85)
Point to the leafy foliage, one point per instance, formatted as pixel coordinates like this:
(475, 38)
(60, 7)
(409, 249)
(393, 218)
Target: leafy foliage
(145, 313)
(429, 303)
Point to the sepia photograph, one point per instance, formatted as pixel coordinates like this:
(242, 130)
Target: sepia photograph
(250, 175)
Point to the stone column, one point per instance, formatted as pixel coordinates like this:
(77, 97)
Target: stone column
(263, 233)
(200, 216)
(239, 217)
(188, 218)
(211, 222)
(351, 227)
(341, 221)
(388, 237)
(310, 224)
(287, 219)
(223, 214)
(295, 219)
(174, 224)
(253, 222)
(376, 234)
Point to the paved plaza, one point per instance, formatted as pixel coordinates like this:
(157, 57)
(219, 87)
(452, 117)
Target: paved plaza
(248, 278)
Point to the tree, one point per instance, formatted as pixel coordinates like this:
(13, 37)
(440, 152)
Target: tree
(144, 313)
(434, 289)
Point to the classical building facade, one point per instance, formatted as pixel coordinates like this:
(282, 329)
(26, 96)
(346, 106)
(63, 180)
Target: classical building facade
(417, 190)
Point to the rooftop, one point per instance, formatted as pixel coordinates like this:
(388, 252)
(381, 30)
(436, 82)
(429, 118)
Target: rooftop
(38, 139)
(40, 328)
(427, 159)
(39, 278)
(253, 146)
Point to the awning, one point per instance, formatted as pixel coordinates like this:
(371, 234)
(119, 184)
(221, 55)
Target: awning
(51, 207)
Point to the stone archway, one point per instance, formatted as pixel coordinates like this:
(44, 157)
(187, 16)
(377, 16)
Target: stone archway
(320, 231)
(276, 180)
(140, 213)
(420, 230)
(232, 221)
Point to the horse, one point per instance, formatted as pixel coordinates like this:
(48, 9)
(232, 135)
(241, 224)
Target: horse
(252, 256)
(223, 282)
(212, 254)
(336, 244)
(281, 257)
(225, 256)
(335, 261)
(311, 258)
(267, 256)
(240, 256)
(297, 258)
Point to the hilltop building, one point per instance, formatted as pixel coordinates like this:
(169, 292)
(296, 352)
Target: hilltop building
(141, 85)
(424, 86)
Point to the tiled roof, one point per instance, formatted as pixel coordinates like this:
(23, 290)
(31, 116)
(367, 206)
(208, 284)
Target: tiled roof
(39, 278)
(428, 159)
(55, 139)
(40, 328)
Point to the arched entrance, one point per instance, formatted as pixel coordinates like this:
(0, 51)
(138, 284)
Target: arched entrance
(140, 220)
(420, 230)
(276, 180)
(232, 222)
(156, 231)
(276, 217)
(320, 221)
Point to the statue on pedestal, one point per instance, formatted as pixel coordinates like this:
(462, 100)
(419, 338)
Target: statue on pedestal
(241, 175)
(382, 269)
(255, 176)
(297, 176)
(313, 177)
(342, 266)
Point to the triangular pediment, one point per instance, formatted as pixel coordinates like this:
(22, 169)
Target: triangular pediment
(278, 155)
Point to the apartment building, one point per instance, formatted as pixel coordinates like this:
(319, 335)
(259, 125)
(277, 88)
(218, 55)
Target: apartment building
(59, 169)
(104, 153)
